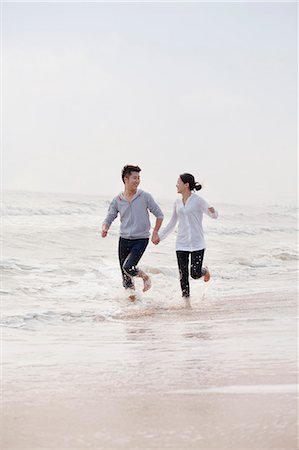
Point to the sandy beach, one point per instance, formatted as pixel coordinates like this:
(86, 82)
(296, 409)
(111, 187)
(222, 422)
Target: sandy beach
(186, 381)
(176, 421)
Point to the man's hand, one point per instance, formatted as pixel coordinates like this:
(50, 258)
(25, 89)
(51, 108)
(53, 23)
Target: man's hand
(105, 229)
(211, 209)
(155, 238)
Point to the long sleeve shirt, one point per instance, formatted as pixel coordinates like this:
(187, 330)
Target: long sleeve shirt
(190, 236)
(134, 215)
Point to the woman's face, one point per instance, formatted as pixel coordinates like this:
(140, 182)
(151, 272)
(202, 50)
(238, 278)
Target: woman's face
(181, 186)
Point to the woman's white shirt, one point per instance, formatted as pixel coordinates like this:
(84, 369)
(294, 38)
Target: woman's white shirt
(190, 235)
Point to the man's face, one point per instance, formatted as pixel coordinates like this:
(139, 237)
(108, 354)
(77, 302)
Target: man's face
(133, 180)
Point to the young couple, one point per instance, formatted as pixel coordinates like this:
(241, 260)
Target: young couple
(134, 205)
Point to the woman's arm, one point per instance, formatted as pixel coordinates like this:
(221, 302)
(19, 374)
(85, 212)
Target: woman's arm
(212, 212)
(170, 226)
(209, 210)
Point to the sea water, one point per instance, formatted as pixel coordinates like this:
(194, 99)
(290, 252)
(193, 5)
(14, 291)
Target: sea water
(64, 311)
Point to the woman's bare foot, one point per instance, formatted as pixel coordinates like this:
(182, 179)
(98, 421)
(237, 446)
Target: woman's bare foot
(207, 275)
(187, 303)
(146, 280)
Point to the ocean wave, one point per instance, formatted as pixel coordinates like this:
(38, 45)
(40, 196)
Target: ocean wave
(81, 203)
(13, 265)
(268, 259)
(21, 321)
(285, 255)
(61, 211)
(139, 310)
(56, 318)
(275, 229)
(232, 231)
(250, 263)
(161, 270)
(249, 231)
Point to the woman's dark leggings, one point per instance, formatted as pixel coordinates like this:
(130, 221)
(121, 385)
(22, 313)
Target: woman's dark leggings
(196, 270)
(129, 253)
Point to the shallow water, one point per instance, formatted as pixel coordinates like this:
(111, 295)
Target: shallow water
(67, 324)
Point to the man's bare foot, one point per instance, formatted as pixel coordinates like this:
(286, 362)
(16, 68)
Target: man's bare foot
(146, 280)
(132, 295)
(207, 275)
(147, 284)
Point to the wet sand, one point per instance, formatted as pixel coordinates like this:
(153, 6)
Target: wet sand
(168, 420)
(219, 376)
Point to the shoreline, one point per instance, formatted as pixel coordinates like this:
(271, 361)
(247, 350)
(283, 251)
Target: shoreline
(219, 377)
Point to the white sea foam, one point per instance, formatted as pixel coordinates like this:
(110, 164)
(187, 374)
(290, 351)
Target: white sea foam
(244, 389)
(54, 255)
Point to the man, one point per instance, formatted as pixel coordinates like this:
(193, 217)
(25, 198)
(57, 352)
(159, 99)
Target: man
(133, 205)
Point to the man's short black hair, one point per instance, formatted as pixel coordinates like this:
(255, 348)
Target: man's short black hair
(127, 170)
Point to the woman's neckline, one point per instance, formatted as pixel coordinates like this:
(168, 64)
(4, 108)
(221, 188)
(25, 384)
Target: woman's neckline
(186, 200)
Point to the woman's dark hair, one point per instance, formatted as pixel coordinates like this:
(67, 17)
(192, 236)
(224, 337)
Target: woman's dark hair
(188, 178)
(127, 170)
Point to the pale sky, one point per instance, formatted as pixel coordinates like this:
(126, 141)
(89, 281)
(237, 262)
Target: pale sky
(206, 88)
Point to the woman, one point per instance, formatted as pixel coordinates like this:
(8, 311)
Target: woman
(188, 212)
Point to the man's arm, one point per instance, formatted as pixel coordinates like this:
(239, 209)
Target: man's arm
(156, 210)
(105, 229)
(112, 214)
(155, 236)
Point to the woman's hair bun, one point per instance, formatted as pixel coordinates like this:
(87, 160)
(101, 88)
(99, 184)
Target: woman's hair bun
(189, 178)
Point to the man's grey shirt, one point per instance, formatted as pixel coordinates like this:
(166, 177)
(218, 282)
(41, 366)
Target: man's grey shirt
(134, 215)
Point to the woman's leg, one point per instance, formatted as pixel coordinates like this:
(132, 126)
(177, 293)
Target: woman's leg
(183, 263)
(196, 264)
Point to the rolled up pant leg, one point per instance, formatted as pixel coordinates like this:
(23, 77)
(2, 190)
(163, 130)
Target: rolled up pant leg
(123, 253)
(137, 248)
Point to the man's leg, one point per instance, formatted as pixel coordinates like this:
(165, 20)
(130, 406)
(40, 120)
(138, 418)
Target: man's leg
(138, 247)
(123, 253)
(183, 263)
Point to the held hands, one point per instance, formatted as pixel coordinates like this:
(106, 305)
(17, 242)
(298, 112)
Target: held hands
(155, 238)
(104, 230)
